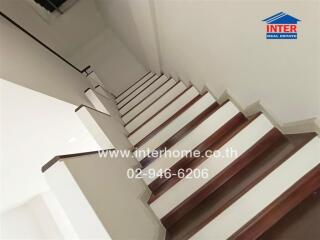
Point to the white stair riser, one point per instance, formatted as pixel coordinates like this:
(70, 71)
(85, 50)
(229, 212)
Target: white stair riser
(145, 103)
(168, 131)
(132, 88)
(164, 115)
(155, 107)
(194, 138)
(262, 194)
(143, 95)
(138, 90)
(246, 138)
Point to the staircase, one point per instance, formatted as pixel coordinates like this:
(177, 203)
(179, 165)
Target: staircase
(242, 196)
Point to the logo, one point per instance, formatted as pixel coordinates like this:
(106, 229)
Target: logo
(281, 26)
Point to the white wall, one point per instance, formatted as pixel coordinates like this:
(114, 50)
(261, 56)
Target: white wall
(142, 12)
(222, 45)
(110, 59)
(32, 220)
(117, 16)
(133, 23)
(34, 129)
(25, 62)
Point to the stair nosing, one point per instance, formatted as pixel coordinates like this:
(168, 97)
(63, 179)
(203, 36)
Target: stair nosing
(144, 98)
(119, 108)
(133, 85)
(183, 132)
(154, 115)
(209, 146)
(247, 188)
(219, 179)
(168, 121)
(146, 108)
(284, 201)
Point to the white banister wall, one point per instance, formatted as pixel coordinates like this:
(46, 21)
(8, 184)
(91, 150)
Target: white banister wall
(94, 99)
(118, 202)
(107, 131)
(80, 216)
(104, 104)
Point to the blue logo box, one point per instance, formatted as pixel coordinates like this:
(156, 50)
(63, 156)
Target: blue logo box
(281, 35)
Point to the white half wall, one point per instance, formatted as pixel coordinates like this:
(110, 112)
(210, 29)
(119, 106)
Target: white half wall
(120, 203)
(107, 131)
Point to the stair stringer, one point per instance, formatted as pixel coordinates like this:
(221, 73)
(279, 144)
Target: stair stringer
(301, 126)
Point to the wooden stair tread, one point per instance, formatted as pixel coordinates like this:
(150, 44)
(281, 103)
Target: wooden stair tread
(183, 132)
(183, 219)
(301, 223)
(236, 186)
(260, 148)
(148, 76)
(226, 132)
(147, 96)
(168, 121)
(187, 193)
(132, 97)
(154, 115)
(278, 208)
(123, 92)
(148, 102)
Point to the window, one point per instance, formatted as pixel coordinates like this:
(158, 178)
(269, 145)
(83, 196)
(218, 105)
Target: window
(51, 5)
